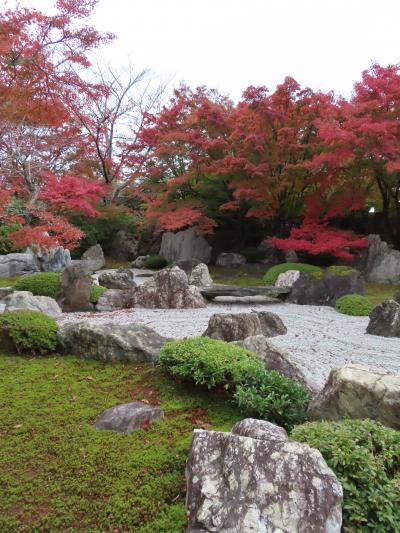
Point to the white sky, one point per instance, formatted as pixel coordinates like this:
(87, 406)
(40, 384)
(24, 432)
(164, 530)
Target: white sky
(231, 44)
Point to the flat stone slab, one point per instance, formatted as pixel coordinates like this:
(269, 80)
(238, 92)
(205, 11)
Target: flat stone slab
(216, 290)
(128, 417)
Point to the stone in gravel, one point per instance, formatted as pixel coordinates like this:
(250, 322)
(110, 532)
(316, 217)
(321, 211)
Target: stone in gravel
(24, 300)
(128, 417)
(200, 276)
(287, 279)
(384, 319)
(276, 358)
(109, 342)
(237, 326)
(358, 391)
(115, 299)
(168, 289)
(94, 258)
(271, 324)
(230, 260)
(123, 278)
(74, 292)
(185, 245)
(255, 479)
(140, 262)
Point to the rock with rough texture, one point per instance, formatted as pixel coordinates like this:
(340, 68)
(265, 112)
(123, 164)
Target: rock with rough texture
(74, 292)
(291, 256)
(255, 479)
(94, 258)
(185, 245)
(396, 297)
(168, 289)
(125, 245)
(287, 279)
(230, 260)
(5, 291)
(238, 326)
(384, 319)
(140, 262)
(358, 391)
(13, 265)
(187, 265)
(24, 300)
(200, 276)
(109, 342)
(379, 262)
(114, 299)
(123, 278)
(128, 417)
(52, 260)
(276, 358)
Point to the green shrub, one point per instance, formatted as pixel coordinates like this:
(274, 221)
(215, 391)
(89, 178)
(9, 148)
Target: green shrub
(354, 304)
(95, 292)
(341, 270)
(155, 262)
(365, 456)
(272, 274)
(28, 332)
(253, 254)
(6, 245)
(40, 284)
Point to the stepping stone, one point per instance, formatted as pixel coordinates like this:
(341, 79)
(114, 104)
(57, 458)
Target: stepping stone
(128, 417)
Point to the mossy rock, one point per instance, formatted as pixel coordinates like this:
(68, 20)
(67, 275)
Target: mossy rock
(272, 274)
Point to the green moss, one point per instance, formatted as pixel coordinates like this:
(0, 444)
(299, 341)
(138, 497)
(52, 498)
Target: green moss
(341, 270)
(317, 275)
(40, 284)
(8, 282)
(354, 304)
(272, 274)
(95, 292)
(378, 292)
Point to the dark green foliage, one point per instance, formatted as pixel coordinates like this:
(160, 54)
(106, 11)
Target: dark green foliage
(365, 456)
(28, 332)
(354, 304)
(6, 245)
(341, 270)
(40, 284)
(253, 254)
(155, 262)
(272, 274)
(95, 292)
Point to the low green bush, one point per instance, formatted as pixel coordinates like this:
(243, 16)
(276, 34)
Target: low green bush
(253, 254)
(155, 262)
(28, 332)
(341, 270)
(95, 292)
(365, 457)
(213, 363)
(272, 274)
(354, 305)
(40, 284)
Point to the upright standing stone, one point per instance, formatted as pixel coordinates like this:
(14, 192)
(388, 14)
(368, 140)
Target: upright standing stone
(75, 286)
(185, 245)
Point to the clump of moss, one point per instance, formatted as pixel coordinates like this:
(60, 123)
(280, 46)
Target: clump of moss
(341, 270)
(354, 305)
(272, 274)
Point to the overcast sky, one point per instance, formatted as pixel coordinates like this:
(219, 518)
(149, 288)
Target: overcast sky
(231, 44)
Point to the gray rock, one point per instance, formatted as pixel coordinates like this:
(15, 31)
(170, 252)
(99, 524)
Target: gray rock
(200, 276)
(396, 297)
(109, 342)
(52, 260)
(358, 391)
(230, 260)
(272, 254)
(125, 245)
(384, 319)
(123, 278)
(24, 300)
(140, 262)
(5, 291)
(75, 286)
(168, 289)
(276, 358)
(187, 265)
(94, 258)
(128, 417)
(185, 245)
(255, 479)
(13, 265)
(291, 257)
(287, 279)
(114, 299)
(379, 262)
(271, 324)
(238, 326)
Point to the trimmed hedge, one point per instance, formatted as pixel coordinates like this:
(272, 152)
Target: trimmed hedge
(272, 274)
(28, 332)
(365, 457)
(40, 284)
(155, 262)
(95, 292)
(354, 305)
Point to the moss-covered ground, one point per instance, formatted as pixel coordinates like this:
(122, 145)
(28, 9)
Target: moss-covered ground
(58, 473)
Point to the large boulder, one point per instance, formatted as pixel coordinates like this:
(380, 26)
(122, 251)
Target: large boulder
(123, 278)
(185, 245)
(24, 300)
(238, 326)
(52, 260)
(276, 358)
(128, 417)
(287, 279)
(114, 299)
(13, 265)
(254, 479)
(200, 276)
(109, 342)
(125, 245)
(168, 289)
(384, 319)
(93, 259)
(74, 292)
(230, 260)
(358, 391)
(379, 262)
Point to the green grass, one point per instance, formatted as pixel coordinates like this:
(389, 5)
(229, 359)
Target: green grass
(244, 276)
(8, 282)
(377, 292)
(111, 262)
(57, 473)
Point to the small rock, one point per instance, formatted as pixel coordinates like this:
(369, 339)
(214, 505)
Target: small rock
(271, 324)
(237, 326)
(114, 299)
(384, 319)
(140, 262)
(24, 300)
(200, 276)
(287, 279)
(230, 260)
(128, 417)
(123, 278)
